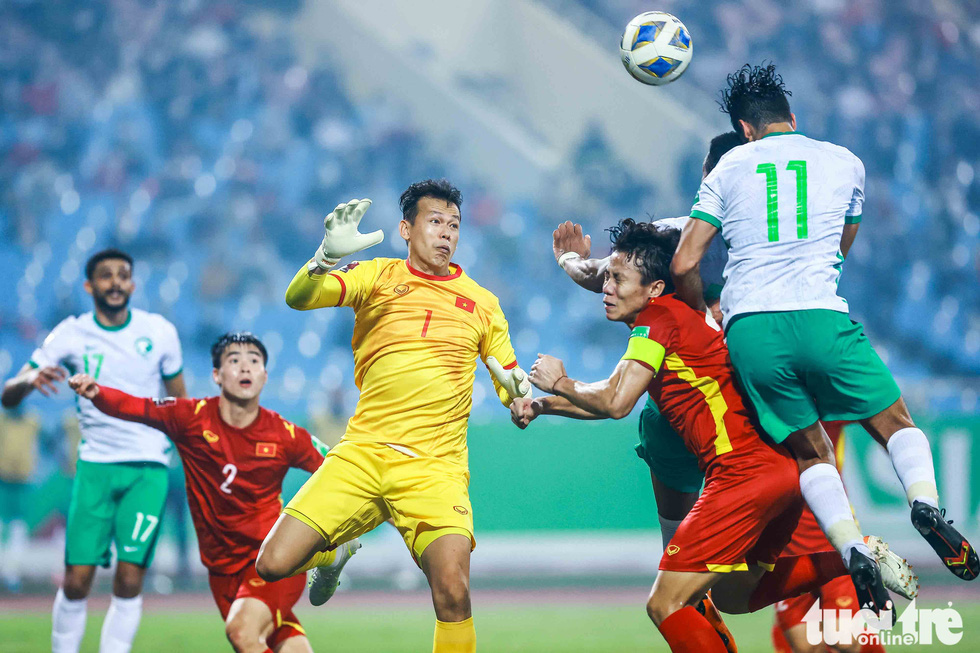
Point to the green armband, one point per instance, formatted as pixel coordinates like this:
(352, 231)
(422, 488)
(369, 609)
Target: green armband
(644, 350)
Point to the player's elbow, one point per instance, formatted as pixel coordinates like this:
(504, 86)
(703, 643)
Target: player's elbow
(295, 300)
(682, 265)
(619, 409)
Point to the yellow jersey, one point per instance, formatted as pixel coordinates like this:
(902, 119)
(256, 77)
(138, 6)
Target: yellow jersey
(416, 340)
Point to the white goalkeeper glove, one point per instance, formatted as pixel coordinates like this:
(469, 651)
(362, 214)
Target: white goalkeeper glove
(341, 237)
(514, 380)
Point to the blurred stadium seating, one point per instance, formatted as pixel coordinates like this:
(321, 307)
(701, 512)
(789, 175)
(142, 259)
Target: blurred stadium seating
(195, 136)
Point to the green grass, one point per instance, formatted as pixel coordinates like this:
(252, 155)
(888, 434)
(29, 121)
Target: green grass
(500, 629)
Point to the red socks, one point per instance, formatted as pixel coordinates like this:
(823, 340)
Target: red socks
(794, 575)
(686, 631)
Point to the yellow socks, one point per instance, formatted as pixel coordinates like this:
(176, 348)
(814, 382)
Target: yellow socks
(319, 559)
(454, 637)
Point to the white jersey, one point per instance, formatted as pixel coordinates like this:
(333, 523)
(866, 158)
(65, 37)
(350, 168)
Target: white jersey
(781, 203)
(714, 261)
(135, 358)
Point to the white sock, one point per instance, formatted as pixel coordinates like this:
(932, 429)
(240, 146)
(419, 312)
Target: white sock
(120, 625)
(823, 490)
(667, 528)
(912, 460)
(67, 623)
(13, 556)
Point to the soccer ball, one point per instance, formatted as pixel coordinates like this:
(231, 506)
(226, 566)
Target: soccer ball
(656, 48)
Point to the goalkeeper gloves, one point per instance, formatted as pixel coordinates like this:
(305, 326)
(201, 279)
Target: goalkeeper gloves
(514, 380)
(341, 237)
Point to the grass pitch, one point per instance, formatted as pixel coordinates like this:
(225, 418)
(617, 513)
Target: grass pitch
(368, 626)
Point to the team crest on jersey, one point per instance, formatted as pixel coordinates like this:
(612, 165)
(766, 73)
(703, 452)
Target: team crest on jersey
(143, 346)
(350, 266)
(401, 289)
(265, 449)
(165, 401)
(672, 549)
(210, 436)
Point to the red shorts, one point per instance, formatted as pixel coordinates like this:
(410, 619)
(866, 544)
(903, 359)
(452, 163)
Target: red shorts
(746, 514)
(838, 594)
(807, 538)
(280, 596)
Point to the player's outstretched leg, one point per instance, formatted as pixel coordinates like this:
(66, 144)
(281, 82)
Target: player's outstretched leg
(823, 489)
(911, 457)
(325, 578)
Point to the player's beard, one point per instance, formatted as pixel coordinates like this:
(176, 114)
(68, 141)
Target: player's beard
(102, 303)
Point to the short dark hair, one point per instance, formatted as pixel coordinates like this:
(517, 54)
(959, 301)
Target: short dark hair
(720, 145)
(104, 255)
(440, 189)
(757, 95)
(236, 338)
(649, 247)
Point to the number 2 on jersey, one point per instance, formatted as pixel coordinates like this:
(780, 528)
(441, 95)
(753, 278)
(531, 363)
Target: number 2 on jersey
(772, 198)
(230, 472)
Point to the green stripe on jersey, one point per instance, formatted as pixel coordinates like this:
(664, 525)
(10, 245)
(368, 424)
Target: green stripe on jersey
(852, 219)
(706, 217)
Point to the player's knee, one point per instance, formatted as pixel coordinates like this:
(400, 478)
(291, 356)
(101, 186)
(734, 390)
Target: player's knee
(451, 597)
(241, 635)
(659, 608)
(127, 584)
(272, 564)
(77, 584)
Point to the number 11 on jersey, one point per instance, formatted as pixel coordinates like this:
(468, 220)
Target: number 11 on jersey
(772, 198)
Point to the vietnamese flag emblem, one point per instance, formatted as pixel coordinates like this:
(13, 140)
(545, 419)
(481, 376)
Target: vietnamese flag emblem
(466, 304)
(265, 449)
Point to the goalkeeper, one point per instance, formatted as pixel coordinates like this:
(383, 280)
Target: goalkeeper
(420, 324)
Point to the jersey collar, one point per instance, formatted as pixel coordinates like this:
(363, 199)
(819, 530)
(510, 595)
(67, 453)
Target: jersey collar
(797, 133)
(432, 277)
(118, 327)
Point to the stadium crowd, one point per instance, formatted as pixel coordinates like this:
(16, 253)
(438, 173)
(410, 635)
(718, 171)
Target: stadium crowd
(191, 135)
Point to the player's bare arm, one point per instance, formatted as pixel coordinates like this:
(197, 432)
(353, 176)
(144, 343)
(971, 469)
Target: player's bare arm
(175, 386)
(30, 378)
(572, 249)
(612, 398)
(847, 238)
(524, 411)
(685, 267)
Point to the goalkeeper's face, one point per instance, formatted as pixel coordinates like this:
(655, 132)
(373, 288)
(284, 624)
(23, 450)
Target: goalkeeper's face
(111, 285)
(432, 236)
(624, 295)
(242, 373)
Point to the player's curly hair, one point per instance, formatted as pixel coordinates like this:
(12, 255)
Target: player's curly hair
(236, 338)
(648, 247)
(757, 95)
(441, 189)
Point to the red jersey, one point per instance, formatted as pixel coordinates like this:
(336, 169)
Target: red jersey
(234, 476)
(693, 387)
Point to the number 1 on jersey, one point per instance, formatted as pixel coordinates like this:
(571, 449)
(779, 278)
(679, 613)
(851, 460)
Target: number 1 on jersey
(425, 325)
(772, 198)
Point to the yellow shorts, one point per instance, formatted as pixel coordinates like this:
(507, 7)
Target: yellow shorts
(361, 484)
